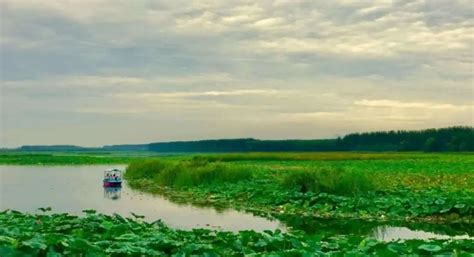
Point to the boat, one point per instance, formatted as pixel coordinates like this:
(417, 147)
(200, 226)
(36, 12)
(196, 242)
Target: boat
(112, 178)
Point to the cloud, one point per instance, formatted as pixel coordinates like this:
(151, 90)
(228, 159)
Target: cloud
(269, 23)
(308, 116)
(421, 105)
(300, 67)
(242, 92)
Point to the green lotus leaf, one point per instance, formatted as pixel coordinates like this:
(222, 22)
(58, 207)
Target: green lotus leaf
(430, 247)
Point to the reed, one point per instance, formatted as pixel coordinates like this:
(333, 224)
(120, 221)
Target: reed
(186, 173)
(329, 180)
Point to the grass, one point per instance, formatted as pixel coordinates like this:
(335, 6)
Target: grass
(71, 158)
(398, 186)
(186, 173)
(333, 181)
(200, 171)
(313, 156)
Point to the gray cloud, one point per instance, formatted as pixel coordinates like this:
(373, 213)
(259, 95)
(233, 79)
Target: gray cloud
(166, 70)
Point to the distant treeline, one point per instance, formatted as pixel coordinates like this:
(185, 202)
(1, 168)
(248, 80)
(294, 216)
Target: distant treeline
(245, 145)
(430, 140)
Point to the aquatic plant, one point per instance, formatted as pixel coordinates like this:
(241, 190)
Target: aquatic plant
(23, 234)
(334, 181)
(185, 173)
(309, 156)
(61, 158)
(436, 188)
(432, 188)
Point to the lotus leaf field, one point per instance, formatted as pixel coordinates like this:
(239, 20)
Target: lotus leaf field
(415, 189)
(101, 235)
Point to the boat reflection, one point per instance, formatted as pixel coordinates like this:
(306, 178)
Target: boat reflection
(112, 193)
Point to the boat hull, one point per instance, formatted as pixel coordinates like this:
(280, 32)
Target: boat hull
(112, 183)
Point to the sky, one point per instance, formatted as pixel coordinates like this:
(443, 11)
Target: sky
(97, 72)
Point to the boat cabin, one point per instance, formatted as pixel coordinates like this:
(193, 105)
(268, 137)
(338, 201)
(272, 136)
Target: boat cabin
(112, 178)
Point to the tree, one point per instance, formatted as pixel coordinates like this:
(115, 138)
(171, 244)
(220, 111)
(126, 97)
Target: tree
(431, 145)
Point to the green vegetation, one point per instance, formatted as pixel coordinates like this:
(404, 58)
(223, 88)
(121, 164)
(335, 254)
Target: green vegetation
(454, 139)
(101, 235)
(430, 140)
(73, 148)
(68, 158)
(314, 194)
(388, 187)
(186, 173)
(333, 181)
(304, 156)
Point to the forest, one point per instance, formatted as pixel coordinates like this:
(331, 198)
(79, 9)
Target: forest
(429, 140)
(452, 139)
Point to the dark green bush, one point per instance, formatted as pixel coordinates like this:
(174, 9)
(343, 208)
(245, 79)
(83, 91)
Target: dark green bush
(334, 181)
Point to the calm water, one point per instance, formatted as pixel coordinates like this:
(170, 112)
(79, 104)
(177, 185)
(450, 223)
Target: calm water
(72, 189)
(391, 233)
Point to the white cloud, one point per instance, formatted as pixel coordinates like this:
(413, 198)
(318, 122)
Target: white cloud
(269, 23)
(307, 116)
(240, 92)
(422, 105)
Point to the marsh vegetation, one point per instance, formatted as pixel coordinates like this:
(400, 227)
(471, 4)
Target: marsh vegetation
(313, 194)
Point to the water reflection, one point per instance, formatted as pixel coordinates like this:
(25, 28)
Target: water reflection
(391, 233)
(312, 225)
(112, 193)
(379, 231)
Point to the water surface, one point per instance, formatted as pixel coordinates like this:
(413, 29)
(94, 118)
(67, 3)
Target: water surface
(393, 233)
(72, 189)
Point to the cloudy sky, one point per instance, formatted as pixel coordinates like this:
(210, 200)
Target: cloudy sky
(109, 72)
